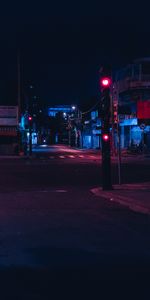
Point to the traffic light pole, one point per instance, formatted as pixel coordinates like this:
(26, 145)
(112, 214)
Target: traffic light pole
(30, 135)
(30, 141)
(106, 113)
(106, 157)
(119, 153)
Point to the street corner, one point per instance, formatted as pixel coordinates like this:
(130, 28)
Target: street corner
(128, 195)
(109, 195)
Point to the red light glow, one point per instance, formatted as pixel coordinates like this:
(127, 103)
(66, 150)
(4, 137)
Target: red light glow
(30, 118)
(105, 82)
(105, 137)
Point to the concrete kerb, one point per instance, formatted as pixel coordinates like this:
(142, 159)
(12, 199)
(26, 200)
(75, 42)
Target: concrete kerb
(16, 157)
(115, 195)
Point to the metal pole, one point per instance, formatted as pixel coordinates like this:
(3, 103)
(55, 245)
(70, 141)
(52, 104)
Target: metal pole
(69, 134)
(142, 141)
(30, 141)
(19, 88)
(112, 122)
(19, 103)
(69, 137)
(119, 155)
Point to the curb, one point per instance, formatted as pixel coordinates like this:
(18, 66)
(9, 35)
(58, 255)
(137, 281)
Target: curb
(125, 201)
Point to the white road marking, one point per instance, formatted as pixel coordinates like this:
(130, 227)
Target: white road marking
(71, 156)
(60, 191)
(81, 156)
(54, 191)
(61, 156)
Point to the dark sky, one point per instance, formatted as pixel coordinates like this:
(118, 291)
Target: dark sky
(64, 43)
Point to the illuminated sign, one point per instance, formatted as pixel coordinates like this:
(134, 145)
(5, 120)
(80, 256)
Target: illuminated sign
(9, 115)
(143, 109)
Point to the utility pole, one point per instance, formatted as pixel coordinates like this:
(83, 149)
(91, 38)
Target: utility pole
(105, 114)
(119, 153)
(30, 135)
(19, 87)
(112, 123)
(19, 101)
(69, 131)
(117, 128)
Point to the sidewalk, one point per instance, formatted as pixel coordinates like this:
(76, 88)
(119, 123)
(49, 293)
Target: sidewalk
(135, 196)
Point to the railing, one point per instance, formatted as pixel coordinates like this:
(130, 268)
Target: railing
(130, 83)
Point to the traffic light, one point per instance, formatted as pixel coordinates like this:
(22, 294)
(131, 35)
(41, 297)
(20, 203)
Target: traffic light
(105, 137)
(30, 119)
(105, 82)
(105, 108)
(105, 96)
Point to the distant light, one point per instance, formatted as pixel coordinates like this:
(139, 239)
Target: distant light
(30, 118)
(31, 86)
(105, 82)
(64, 114)
(73, 107)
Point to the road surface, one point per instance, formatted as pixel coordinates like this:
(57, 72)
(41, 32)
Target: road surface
(55, 232)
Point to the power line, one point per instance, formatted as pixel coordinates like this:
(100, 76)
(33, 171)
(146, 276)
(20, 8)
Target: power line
(86, 112)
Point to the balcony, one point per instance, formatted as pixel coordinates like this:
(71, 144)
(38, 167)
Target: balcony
(133, 84)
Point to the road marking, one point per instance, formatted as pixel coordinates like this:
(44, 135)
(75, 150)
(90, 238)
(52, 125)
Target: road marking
(71, 156)
(81, 156)
(54, 191)
(92, 156)
(61, 156)
(60, 191)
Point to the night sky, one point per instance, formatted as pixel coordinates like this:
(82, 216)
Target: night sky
(63, 44)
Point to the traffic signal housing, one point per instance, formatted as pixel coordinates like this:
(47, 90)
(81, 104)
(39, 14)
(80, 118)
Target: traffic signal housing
(105, 82)
(105, 137)
(105, 85)
(30, 119)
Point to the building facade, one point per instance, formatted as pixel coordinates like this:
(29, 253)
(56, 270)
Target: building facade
(65, 124)
(131, 92)
(91, 130)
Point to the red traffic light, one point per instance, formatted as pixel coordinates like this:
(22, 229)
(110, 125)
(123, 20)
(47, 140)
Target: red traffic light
(105, 82)
(30, 118)
(105, 137)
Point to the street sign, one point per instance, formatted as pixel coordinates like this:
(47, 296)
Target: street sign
(142, 126)
(8, 115)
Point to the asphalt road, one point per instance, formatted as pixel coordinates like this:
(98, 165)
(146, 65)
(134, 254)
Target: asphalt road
(56, 234)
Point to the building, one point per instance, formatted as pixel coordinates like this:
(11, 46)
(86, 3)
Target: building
(9, 130)
(131, 92)
(91, 132)
(64, 124)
